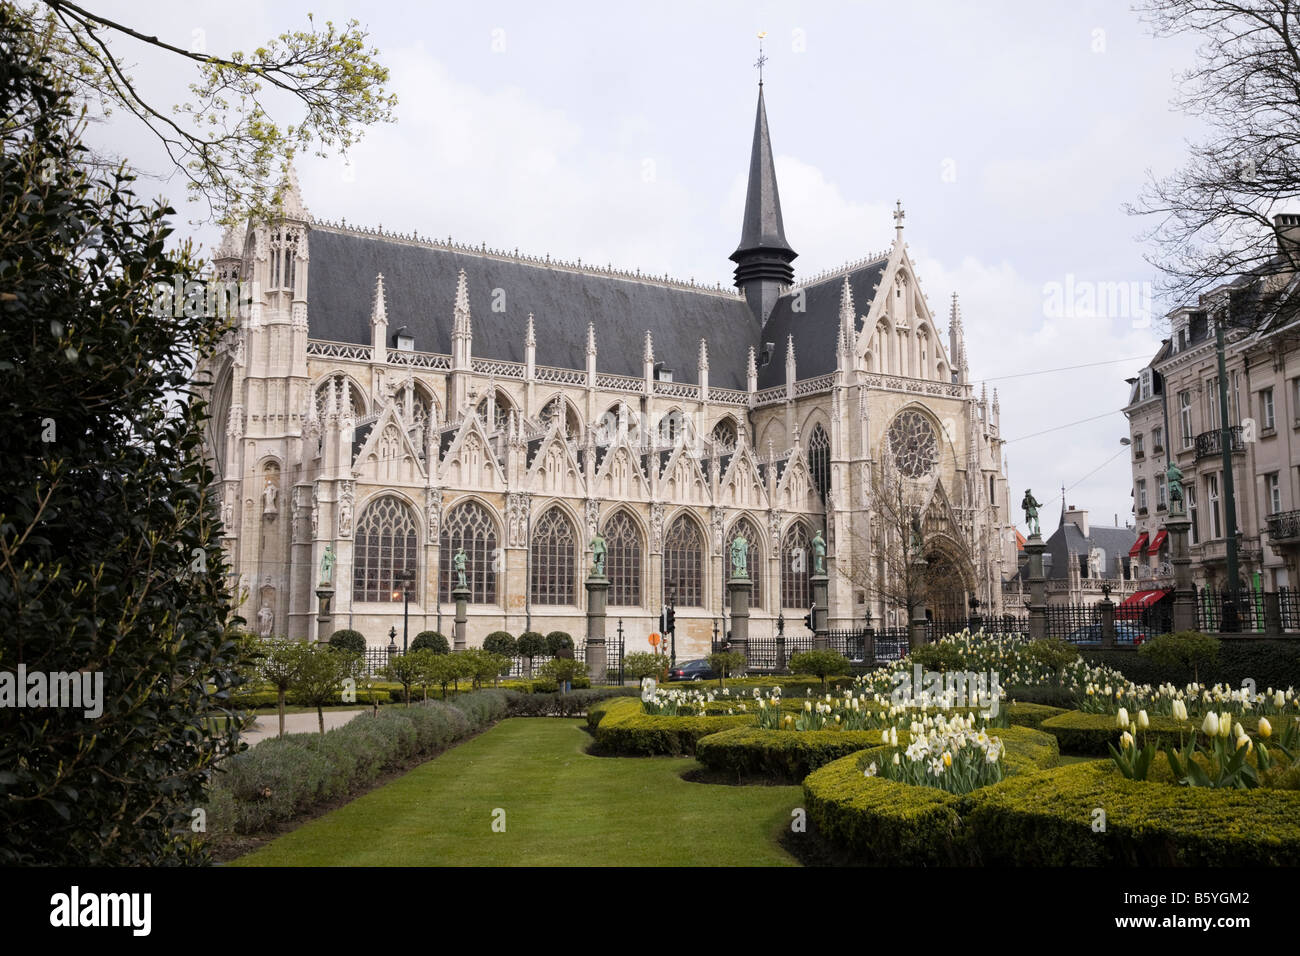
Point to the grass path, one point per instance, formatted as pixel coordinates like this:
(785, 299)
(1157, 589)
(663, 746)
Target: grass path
(562, 807)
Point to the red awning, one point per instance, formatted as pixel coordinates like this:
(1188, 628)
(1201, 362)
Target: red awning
(1137, 548)
(1157, 541)
(1133, 605)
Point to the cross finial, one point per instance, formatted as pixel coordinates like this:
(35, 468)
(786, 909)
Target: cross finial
(761, 58)
(899, 216)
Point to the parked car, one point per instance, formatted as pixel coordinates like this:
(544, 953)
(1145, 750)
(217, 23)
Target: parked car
(1126, 633)
(692, 670)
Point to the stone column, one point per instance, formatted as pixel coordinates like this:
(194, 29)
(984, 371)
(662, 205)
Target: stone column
(741, 589)
(1107, 607)
(1184, 590)
(324, 617)
(461, 597)
(918, 628)
(821, 597)
(597, 594)
(1035, 547)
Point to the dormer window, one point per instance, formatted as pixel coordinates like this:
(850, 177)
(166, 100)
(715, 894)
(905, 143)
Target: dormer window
(404, 340)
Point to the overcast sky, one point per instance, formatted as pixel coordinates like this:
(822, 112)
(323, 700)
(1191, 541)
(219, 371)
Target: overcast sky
(1012, 132)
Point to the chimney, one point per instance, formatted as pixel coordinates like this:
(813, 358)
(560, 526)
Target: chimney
(1287, 227)
(1077, 518)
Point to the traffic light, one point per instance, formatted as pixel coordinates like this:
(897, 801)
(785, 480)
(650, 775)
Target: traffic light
(807, 619)
(670, 626)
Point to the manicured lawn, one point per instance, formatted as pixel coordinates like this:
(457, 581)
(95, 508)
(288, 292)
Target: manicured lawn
(562, 807)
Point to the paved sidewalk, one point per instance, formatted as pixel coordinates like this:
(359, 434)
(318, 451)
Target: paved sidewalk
(268, 725)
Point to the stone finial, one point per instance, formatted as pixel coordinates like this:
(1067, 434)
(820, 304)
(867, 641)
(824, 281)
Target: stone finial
(591, 338)
(461, 321)
(230, 247)
(704, 355)
(996, 407)
(751, 366)
(846, 302)
(649, 354)
(379, 305)
(288, 198)
(530, 336)
(789, 358)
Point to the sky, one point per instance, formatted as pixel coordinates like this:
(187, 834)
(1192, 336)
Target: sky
(1013, 133)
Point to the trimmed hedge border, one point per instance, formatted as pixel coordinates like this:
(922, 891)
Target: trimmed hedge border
(1021, 714)
(1047, 819)
(784, 755)
(897, 824)
(622, 728)
(1268, 662)
(1087, 735)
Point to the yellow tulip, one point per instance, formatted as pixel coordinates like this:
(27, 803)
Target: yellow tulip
(947, 759)
(1265, 728)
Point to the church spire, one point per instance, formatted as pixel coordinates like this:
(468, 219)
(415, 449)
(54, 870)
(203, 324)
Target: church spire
(763, 257)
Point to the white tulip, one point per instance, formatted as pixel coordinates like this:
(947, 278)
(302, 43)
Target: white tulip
(1210, 726)
(1143, 721)
(1122, 719)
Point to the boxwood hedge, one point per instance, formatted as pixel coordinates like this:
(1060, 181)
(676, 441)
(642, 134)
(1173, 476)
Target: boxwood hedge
(896, 824)
(1050, 819)
(621, 727)
(1088, 734)
(783, 755)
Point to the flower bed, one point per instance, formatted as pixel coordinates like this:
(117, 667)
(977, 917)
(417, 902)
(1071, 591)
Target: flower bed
(891, 823)
(621, 727)
(1048, 819)
(1090, 734)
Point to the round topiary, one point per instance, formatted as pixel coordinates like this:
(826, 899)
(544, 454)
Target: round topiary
(531, 644)
(557, 640)
(500, 642)
(431, 640)
(348, 640)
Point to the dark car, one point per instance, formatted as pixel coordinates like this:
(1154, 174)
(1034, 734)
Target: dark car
(1126, 633)
(692, 670)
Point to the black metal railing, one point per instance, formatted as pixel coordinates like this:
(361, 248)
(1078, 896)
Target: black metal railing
(1228, 611)
(1077, 623)
(1211, 443)
(1284, 526)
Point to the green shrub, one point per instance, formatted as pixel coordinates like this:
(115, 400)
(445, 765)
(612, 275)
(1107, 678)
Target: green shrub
(560, 669)
(1269, 662)
(1053, 653)
(620, 727)
(940, 656)
(823, 664)
(1047, 820)
(502, 643)
(724, 662)
(786, 756)
(1186, 649)
(1023, 714)
(642, 664)
(550, 686)
(531, 645)
(348, 640)
(1089, 734)
(431, 640)
(557, 641)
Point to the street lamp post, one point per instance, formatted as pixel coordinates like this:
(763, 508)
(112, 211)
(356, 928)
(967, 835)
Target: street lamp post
(404, 578)
(1229, 496)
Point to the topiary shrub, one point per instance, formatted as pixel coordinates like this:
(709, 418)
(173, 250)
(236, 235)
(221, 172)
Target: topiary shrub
(557, 641)
(431, 640)
(1186, 649)
(940, 656)
(823, 664)
(348, 640)
(622, 727)
(782, 756)
(530, 645)
(500, 642)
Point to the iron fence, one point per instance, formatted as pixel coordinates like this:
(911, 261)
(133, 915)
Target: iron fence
(1229, 611)
(1077, 623)
(1288, 606)
(613, 673)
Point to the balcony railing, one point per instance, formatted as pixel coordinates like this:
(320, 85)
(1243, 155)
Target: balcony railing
(1210, 443)
(1284, 526)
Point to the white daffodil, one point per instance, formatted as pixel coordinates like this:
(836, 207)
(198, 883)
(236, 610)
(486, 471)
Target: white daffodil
(870, 771)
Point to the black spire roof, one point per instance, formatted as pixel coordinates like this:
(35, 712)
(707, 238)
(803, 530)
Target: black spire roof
(763, 257)
(763, 229)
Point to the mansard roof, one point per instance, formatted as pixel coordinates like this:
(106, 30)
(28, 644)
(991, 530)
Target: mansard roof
(816, 329)
(420, 289)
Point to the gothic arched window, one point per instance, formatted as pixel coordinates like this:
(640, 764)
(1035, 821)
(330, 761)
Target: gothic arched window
(684, 563)
(724, 434)
(347, 400)
(670, 427)
(623, 560)
(387, 543)
(470, 526)
(754, 561)
(494, 411)
(796, 561)
(819, 460)
(552, 562)
(557, 409)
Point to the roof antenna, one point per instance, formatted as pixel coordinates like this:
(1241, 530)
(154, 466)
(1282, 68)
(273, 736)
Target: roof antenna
(761, 59)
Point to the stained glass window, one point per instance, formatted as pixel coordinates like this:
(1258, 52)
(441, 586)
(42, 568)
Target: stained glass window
(623, 560)
(914, 445)
(796, 562)
(386, 544)
(684, 563)
(469, 525)
(552, 565)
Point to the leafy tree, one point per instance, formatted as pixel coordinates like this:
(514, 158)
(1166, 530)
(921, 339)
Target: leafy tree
(406, 669)
(557, 641)
(939, 657)
(349, 640)
(431, 640)
(724, 662)
(563, 670)
(823, 664)
(531, 645)
(224, 140)
(501, 642)
(281, 662)
(641, 664)
(1186, 649)
(320, 676)
(483, 665)
(109, 551)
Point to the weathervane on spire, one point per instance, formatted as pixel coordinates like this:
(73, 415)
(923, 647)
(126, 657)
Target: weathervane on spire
(761, 59)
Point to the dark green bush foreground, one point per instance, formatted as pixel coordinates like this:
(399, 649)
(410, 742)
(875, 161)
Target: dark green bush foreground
(621, 727)
(285, 777)
(1268, 662)
(888, 823)
(1047, 820)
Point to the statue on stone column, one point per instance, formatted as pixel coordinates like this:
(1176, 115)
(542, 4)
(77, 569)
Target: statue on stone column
(1174, 477)
(458, 564)
(739, 557)
(819, 553)
(598, 551)
(1031, 505)
(269, 494)
(265, 619)
(327, 565)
